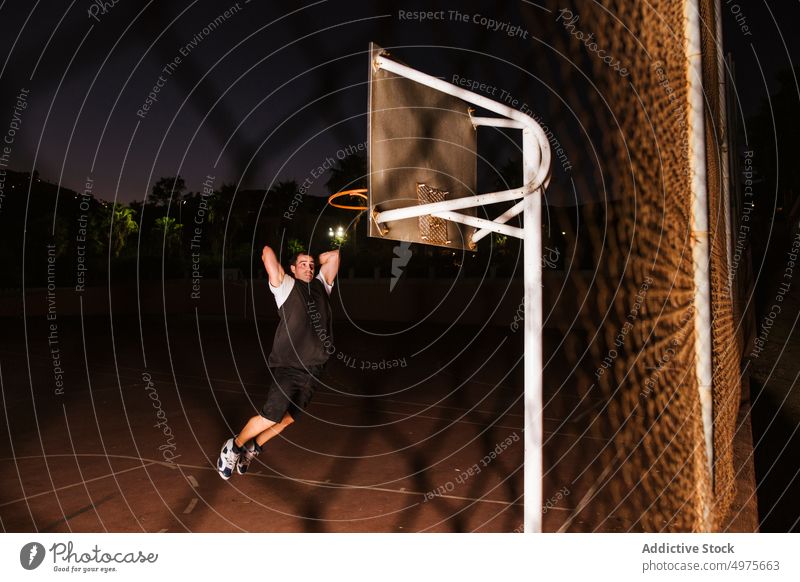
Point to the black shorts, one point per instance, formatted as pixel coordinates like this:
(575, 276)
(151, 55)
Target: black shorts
(291, 391)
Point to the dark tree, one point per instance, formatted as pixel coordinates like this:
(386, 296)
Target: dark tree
(348, 174)
(166, 189)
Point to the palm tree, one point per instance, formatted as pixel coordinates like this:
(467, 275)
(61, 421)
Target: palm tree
(121, 223)
(170, 230)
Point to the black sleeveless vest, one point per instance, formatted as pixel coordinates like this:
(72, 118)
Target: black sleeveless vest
(304, 336)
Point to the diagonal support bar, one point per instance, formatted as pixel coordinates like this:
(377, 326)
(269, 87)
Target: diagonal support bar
(502, 219)
(481, 223)
(457, 204)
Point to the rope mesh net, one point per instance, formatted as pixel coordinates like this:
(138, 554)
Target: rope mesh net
(637, 309)
(727, 348)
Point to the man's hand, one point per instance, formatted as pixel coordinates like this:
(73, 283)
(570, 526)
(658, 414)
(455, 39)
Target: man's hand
(274, 270)
(329, 265)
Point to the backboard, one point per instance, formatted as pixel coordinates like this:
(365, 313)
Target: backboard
(422, 148)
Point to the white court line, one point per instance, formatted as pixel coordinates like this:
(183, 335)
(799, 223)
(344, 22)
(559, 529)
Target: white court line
(329, 485)
(412, 415)
(191, 505)
(334, 394)
(402, 491)
(515, 428)
(331, 404)
(423, 405)
(311, 482)
(460, 408)
(78, 484)
(325, 484)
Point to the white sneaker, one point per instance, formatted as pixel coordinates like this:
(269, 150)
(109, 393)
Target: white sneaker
(246, 457)
(227, 460)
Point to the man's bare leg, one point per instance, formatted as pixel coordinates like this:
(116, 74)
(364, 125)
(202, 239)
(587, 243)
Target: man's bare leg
(262, 429)
(254, 427)
(274, 430)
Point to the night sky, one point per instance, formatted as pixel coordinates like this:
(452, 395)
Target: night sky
(272, 90)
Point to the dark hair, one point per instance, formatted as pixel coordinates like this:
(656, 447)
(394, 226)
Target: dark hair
(293, 258)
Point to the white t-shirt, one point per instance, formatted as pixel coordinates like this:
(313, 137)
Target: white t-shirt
(281, 292)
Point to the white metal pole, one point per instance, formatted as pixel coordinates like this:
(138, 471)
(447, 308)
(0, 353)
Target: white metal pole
(534, 418)
(700, 236)
(536, 171)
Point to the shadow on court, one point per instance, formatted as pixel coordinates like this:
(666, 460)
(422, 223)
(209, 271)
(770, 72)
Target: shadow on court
(414, 430)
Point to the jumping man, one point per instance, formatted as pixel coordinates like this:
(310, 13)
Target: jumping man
(298, 357)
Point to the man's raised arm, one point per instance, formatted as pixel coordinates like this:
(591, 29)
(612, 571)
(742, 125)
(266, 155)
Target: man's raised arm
(329, 265)
(272, 265)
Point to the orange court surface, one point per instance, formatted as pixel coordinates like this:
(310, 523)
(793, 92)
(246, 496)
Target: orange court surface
(416, 430)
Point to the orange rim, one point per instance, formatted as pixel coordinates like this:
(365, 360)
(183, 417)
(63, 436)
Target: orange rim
(358, 193)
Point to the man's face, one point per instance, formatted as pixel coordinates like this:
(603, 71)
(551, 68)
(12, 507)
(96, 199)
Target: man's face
(303, 268)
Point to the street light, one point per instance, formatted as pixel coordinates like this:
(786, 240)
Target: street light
(337, 235)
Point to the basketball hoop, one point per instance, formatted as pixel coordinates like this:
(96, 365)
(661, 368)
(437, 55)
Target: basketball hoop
(358, 193)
